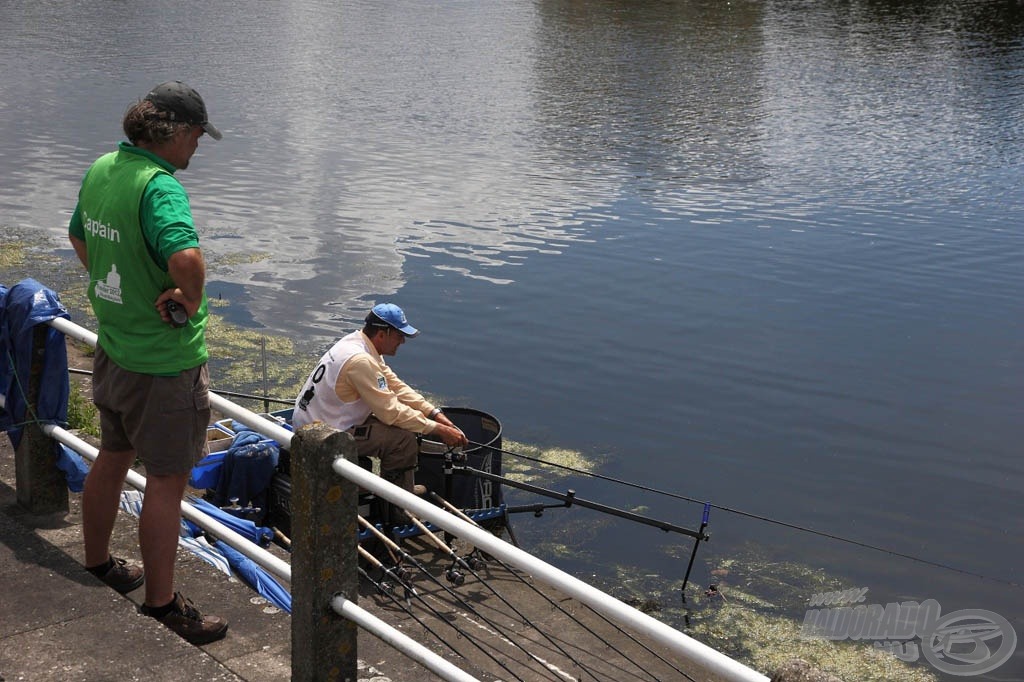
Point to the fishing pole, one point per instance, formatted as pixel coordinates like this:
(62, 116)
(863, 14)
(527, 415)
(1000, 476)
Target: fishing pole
(405, 556)
(602, 477)
(409, 589)
(476, 550)
(388, 591)
(457, 560)
(569, 499)
(400, 577)
(760, 517)
(677, 496)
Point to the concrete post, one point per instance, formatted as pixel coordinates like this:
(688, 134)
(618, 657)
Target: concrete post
(41, 487)
(324, 555)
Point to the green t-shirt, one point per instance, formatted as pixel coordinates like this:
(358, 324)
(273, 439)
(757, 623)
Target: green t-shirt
(133, 216)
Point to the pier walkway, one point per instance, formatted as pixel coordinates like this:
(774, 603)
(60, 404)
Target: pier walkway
(60, 624)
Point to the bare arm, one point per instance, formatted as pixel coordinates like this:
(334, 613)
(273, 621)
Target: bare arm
(188, 270)
(80, 250)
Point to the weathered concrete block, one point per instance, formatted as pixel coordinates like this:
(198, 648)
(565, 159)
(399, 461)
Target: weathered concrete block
(324, 555)
(41, 487)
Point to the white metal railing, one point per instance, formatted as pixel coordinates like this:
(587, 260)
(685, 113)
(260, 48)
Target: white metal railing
(700, 654)
(344, 607)
(395, 638)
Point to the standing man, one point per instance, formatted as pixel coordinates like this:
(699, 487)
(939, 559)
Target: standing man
(352, 389)
(133, 231)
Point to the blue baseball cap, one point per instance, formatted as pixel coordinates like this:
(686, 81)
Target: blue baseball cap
(392, 316)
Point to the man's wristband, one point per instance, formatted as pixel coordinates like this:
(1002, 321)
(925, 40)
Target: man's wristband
(434, 412)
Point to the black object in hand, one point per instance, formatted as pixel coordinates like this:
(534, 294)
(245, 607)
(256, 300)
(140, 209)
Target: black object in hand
(179, 318)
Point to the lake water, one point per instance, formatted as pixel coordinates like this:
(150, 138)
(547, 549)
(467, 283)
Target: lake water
(766, 254)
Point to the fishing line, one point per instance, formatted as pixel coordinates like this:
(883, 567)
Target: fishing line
(393, 546)
(384, 589)
(410, 589)
(758, 517)
(476, 550)
(457, 560)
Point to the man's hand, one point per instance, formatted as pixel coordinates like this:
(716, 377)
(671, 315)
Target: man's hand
(451, 436)
(176, 295)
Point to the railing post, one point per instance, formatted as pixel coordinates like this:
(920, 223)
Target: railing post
(324, 555)
(41, 487)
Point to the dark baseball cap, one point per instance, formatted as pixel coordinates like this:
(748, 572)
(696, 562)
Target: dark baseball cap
(183, 104)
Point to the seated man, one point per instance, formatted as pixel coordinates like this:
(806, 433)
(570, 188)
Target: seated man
(353, 390)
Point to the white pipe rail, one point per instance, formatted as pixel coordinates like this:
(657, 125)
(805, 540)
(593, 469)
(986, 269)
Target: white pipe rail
(348, 609)
(344, 607)
(136, 480)
(688, 648)
(261, 556)
(389, 635)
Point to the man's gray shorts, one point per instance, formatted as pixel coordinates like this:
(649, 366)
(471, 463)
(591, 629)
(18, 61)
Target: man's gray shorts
(164, 419)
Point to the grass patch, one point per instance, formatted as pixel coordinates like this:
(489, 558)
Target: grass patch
(82, 414)
(12, 254)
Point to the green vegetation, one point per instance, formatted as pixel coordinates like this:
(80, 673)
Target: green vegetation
(752, 610)
(752, 613)
(236, 360)
(241, 258)
(12, 254)
(529, 472)
(82, 414)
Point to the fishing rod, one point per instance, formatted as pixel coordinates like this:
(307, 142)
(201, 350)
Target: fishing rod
(677, 496)
(602, 477)
(399, 576)
(404, 581)
(388, 591)
(459, 561)
(759, 517)
(476, 550)
(569, 499)
(383, 588)
(405, 556)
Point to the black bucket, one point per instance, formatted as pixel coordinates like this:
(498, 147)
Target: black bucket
(483, 453)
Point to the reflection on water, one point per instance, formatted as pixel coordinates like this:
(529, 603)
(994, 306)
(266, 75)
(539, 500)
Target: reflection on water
(361, 135)
(763, 252)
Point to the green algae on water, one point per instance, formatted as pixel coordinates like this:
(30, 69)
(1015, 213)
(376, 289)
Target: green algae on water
(555, 463)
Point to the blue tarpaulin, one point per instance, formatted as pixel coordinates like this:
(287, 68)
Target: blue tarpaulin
(256, 577)
(261, 535)
(247, 468)
(22, 308)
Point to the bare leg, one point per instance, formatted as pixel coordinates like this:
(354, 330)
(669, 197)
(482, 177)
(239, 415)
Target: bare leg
(158, 535)
(100, 500)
